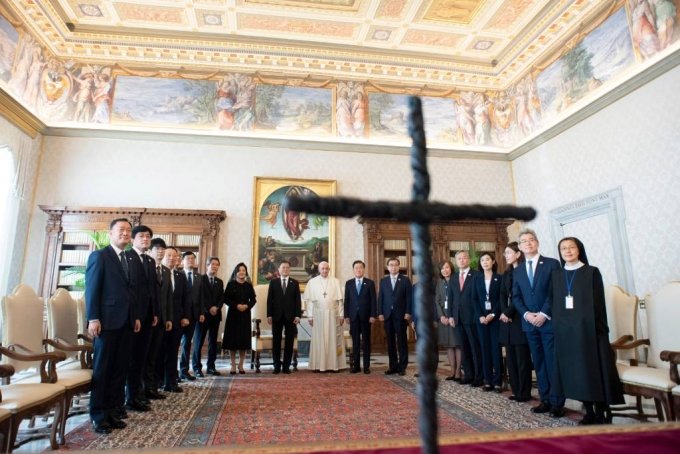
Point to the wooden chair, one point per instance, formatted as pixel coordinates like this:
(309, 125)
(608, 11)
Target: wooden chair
(6, 371)
(262, 330)
(76, 372)
(674, 359)
(33, 390)
(655, 381)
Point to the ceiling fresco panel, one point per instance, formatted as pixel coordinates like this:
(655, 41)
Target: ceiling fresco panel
(510, 12)
(147, 13)
(296, 26)
(453, 11)
(428, 38)
(391, 9)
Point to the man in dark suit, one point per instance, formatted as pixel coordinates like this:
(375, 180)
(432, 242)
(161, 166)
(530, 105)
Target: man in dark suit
(532, 298)
(180, 310)
(284, 309)
(462, 313)
(395, 309)
(212, 297)
(194, 281)
(360, 312)
(153, 373)
(110, 300)
(147, 300)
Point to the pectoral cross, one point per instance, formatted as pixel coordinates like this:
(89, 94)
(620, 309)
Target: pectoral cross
(420, 213)
(324, 294)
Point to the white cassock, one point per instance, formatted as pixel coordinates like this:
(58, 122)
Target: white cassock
(323, 303)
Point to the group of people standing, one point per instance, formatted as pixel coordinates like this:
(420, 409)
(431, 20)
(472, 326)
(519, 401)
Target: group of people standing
(550, 317)
(145, 314)
(143, 310)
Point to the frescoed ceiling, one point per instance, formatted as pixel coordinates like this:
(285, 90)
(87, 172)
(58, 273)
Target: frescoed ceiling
(472, 44)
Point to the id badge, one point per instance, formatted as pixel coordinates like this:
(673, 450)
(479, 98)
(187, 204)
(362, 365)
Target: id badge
(569, 302)
(487, 305)
(446, 304)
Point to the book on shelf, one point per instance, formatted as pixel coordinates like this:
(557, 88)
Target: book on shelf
(77, 238)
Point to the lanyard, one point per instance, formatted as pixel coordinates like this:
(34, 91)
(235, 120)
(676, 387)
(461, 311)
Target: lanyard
(569, 281)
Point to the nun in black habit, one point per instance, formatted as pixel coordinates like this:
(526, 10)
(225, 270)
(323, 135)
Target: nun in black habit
(585, 364)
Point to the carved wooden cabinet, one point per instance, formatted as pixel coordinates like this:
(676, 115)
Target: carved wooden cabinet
(69, 237)
(386, 239)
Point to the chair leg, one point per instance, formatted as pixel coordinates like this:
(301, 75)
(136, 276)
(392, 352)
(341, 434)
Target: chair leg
(659, 410)
(252, 359)
(295, 359)
(667, 407)
(13, 432)
(257, 362)
(56, 424)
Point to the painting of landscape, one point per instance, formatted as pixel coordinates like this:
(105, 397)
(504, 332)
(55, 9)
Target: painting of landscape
(294, 110)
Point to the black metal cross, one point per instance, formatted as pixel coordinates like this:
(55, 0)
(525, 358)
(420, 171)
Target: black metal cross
(419, 213)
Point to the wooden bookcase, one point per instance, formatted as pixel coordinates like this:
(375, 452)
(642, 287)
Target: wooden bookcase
(68, 241)
(384, 239)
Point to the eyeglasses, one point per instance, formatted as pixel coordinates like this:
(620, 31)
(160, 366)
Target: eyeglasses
(528, 240)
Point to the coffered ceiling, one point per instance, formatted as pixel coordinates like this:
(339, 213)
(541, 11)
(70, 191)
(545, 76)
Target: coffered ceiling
(474, 44)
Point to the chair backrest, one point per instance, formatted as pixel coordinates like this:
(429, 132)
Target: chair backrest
(62, 317)
(663, 314)
(622, 315)
(82, 315)
(22, 323)
(260, 308)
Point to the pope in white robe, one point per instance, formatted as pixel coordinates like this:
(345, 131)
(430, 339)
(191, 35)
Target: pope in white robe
(323, 301)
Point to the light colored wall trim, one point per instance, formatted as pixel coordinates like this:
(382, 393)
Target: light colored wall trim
(609, 203)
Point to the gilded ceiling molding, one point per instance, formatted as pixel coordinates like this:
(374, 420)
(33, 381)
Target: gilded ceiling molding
(306, 81)
(19, 116)
(166, 73)
(419, 91)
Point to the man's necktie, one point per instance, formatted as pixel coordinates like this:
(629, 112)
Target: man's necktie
(530, 272)
(358, 286)
(284, 285)
(159, 274)
(461, 279)
(124, 264)
(191, 280)
(212, 281)
(394, 282)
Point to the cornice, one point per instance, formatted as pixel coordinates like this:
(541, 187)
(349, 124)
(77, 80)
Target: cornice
(19, 115)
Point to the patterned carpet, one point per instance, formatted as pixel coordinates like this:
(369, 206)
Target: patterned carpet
(265, 409)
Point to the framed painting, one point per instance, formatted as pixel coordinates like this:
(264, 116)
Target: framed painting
(278, 234)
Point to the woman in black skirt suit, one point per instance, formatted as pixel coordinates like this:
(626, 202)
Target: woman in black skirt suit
(517, 356)
(239, 296)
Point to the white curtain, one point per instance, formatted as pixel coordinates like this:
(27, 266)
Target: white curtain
(9, 204)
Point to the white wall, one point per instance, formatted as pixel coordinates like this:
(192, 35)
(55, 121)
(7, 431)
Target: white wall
(110, 172)
(633, 143)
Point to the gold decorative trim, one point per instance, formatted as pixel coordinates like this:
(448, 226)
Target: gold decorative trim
(19, 115)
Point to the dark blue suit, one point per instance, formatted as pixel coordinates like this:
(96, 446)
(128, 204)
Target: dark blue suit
(181, 306)
(359, 308)
(488, 334)
(110, 297)
(393, 305)
(537, 298)
(463, 312)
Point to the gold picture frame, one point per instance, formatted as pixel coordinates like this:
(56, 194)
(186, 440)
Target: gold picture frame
(302, 239)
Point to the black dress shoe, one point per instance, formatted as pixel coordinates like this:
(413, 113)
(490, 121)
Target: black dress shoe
(390, 372)
(487, 388)
(465, 381)
(188, 377)
(154, 394)
(522, 399)
(588, 420)
(512, 397)
(401, 373)
(120, 413)
(137, 405)
(367, 371)
(451, 378)
(457, 379)
(541, 408)
(497, 390)
(173, 389)
(102, 427)
(476, 384)
(198, 373)
(116, 423)
(557, 412)
(277, 371)
(286, 371)
(354, 370)
(213, 372)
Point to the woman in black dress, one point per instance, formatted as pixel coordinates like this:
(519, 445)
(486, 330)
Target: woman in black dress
(239, 296)
(585, 365)
(510, 334)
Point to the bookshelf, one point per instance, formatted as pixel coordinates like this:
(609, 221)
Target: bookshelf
(72, 233)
